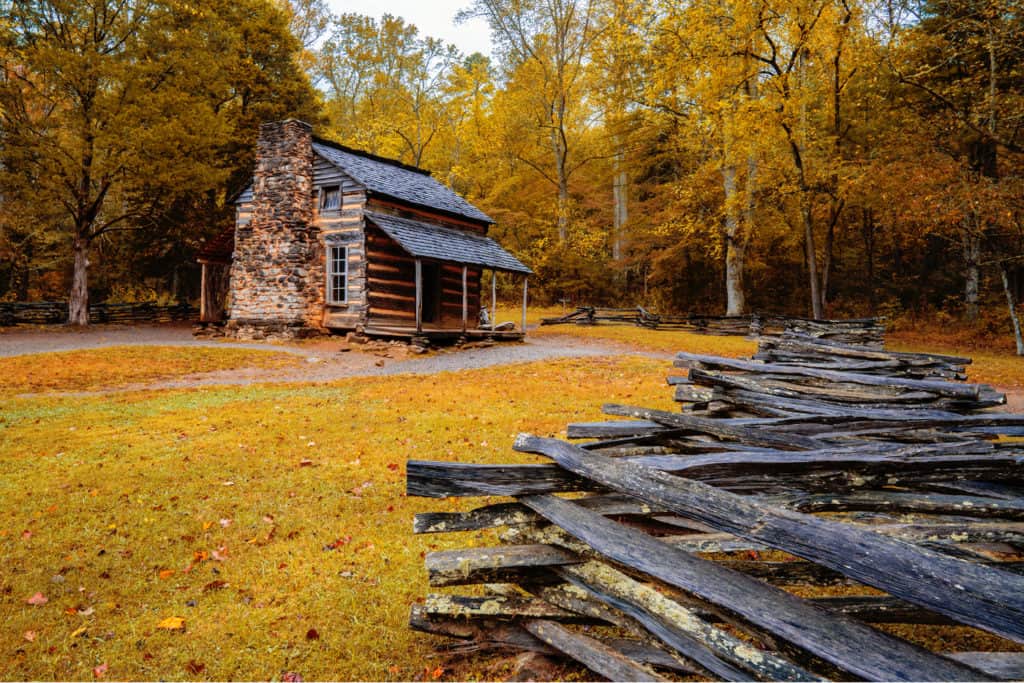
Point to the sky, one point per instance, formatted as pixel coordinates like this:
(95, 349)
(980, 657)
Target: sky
(434, 18)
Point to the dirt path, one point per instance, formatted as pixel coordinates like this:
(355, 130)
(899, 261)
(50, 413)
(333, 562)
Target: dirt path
(324, 361)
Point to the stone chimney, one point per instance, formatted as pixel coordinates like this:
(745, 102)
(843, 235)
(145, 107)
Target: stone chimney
(275, 288)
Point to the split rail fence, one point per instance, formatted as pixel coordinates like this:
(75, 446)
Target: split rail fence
(804, 508)
(56, 313)
(858, 331)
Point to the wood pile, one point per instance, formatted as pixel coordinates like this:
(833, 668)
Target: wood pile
(56, 313)
(862, 331)
(801, 509)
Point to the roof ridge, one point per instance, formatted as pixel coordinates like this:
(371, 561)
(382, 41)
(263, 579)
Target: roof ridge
(369, 155)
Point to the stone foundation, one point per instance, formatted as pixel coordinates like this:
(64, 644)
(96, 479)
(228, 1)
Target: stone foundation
(258, 330)
(277, 277)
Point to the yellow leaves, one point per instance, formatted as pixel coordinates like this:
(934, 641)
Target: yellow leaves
(172, 624)
(119, 366)
(80, 631)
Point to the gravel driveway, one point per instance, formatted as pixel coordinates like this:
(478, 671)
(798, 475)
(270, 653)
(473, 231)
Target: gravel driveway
(324, 360)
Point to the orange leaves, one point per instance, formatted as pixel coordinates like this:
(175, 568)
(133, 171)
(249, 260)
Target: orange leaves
(166, 573)
(100, 671)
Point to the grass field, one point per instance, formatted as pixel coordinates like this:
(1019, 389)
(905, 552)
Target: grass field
(271, 520)
(247, 533)
(123, 365)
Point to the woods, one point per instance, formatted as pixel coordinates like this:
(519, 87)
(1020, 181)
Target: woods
(821, 158)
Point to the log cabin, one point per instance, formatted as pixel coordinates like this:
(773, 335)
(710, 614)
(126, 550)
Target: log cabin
(329, 238)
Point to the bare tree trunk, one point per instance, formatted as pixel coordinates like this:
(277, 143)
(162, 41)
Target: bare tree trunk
(972, 272)
(78, 302)
(621, 200)
(734, 247)
(817, 311)
(1012, 303)
(735, 260)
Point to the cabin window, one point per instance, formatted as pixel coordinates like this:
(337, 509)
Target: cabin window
(330, 198)
(337, 275)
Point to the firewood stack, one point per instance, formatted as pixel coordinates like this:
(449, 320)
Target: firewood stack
(712, 542)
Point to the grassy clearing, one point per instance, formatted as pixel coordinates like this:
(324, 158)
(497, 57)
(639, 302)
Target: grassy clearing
(271, 519)
(119, 366)
(631, 337)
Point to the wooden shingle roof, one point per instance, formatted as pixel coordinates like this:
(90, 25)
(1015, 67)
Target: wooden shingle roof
(426, 240)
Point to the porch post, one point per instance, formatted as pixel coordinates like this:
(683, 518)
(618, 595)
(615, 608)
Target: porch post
(202, 294)
(494, 298)
(525, 281)
(465, 300)
(419, 296)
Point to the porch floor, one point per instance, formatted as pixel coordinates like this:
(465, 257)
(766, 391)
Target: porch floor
(442, 333)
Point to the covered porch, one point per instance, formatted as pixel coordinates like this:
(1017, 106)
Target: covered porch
(427, 280)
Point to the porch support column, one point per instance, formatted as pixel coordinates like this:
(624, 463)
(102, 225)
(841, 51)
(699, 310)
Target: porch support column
(465, 299)
(525, 284)
(494, 298)
(203, 294)
(419, 296)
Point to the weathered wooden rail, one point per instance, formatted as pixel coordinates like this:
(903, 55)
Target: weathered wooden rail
(56, 313)
(712, 541)
(864, 331)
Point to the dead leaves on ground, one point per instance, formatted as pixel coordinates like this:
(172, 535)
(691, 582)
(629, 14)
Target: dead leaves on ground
(172, 624)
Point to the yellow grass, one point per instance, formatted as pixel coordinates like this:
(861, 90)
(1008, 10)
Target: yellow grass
(123, 365)
(127, 511)
(631, 337)
(117, 509)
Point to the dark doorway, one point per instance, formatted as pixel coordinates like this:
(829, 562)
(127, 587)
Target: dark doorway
(431, 273)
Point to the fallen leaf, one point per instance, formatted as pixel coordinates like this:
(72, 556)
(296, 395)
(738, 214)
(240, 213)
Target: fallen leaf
(172, 624)
(195, 668)
(166, 573)
(305, 462)
(86, 612)
(200, 556)
(393, 466)
(215, 585)
(30, 636)
(220, 554)
(38, 599)
(312, 634)
(71, 610)
(26, 534)
(99, 671)
(207, 525)
(437, 673)
(291, 677)
(225, 523)
(80, 631)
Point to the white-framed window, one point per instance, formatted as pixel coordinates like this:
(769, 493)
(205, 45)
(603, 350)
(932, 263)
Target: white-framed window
(337, 275)
(330, 198)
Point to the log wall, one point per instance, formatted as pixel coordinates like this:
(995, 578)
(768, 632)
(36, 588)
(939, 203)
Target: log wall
(343, 228)
(391, 283)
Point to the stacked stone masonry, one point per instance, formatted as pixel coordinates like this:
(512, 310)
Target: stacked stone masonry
(277, 278)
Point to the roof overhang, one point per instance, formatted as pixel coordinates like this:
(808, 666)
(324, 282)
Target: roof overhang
(426, 240)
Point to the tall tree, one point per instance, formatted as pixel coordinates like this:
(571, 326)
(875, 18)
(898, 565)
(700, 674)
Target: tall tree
(550, 40)
(115, 111)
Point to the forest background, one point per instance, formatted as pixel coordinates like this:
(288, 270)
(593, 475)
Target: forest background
(829, 158)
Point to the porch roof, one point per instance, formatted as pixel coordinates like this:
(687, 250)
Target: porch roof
(426, 240)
